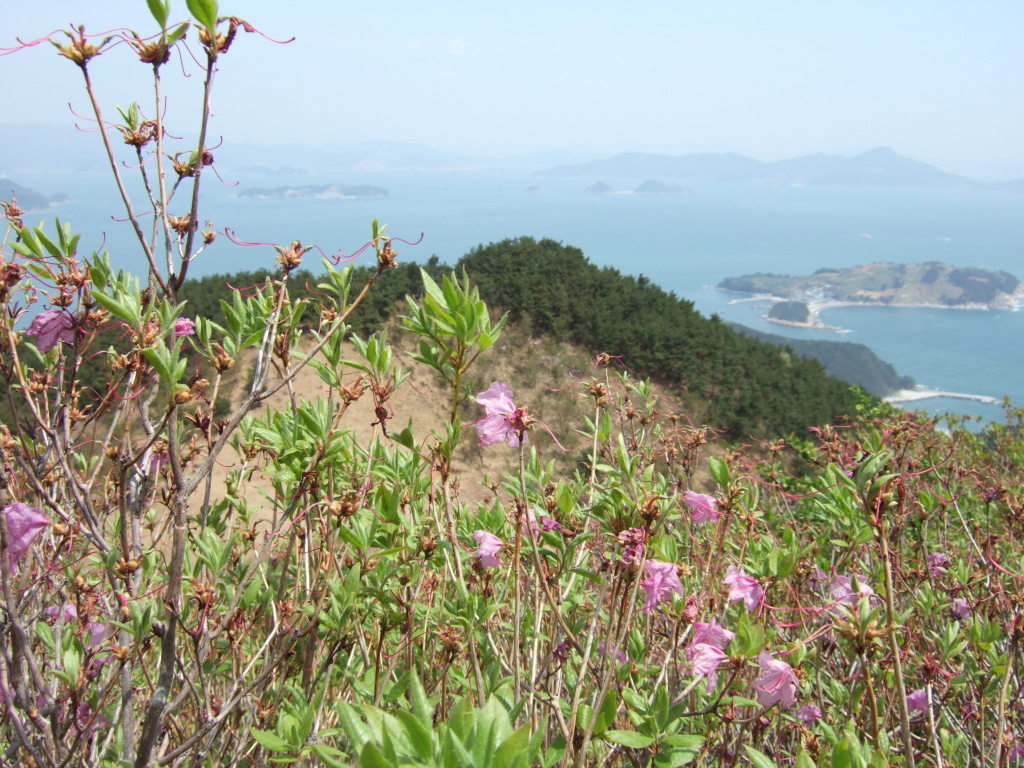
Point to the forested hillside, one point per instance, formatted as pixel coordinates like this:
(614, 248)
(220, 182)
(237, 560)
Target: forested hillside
(851, 362)
(748, 386)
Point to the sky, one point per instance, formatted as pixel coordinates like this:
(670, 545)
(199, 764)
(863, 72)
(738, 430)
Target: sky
(936, 80)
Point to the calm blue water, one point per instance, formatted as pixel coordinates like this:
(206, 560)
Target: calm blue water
(684, 243)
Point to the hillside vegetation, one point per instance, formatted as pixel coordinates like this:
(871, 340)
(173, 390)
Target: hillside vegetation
(739, 384)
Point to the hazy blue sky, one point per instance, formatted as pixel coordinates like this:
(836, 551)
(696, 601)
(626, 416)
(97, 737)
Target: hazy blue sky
(937, 80)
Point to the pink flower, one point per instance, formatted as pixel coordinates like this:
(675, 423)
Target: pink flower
(961, 609)
(842, 589)
(937, 564)
(776, 683)
(541, 523)
(503, 419)
(488, 549)
(743, 587)
(24, 523)
(98, 633)
(184, 327)
(809, 714)
(712, 634)
(52, 327)
(632, 541)
(705, 659)
(917, 701)
(703, 508)
(605, 650)
(661, 583)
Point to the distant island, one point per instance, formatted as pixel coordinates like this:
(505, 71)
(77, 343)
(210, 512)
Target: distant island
(266, 170)
(317, 192)
(655, 187)
(649, 187)
(798, 300)
(877, 167)
(28, 199)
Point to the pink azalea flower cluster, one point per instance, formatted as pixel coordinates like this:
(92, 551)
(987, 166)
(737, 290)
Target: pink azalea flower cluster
(632, 540)
(536, 523)
(51, 328)
(777, 682)
(98, 633)
(703, 508)
(743, 587)
(24, 524)
(503, 422)
(706, 653)
(960, 609)
(184, 327)
(661, 583)
(842, 590)
(487, 552)
(937, 564)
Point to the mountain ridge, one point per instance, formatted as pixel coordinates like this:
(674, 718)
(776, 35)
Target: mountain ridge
(881, 166)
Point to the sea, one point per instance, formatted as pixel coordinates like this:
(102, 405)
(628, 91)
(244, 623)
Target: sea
(684, 243)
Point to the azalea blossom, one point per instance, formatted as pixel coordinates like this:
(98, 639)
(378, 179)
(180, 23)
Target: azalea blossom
(610, 649)
(661, 583)
(535, 523)
(503, 422)
(743, 587)
(705, 659)
(98, 633)
(488, 549)
(632, 541)
(937, 563)
(808, 714)
(184, 327)
(842, 589)
(917, 701)
(776, 683)
(51, 328)
(712, 634)
(703, 508)
(24, 524)
(961, 609)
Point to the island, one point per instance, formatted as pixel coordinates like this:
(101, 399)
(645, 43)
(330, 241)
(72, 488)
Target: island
(29, 200)
(798, 300)
(655, 187)
(316, 192)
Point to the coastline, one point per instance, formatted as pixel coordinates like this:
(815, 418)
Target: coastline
(923, 393)
(814, 307)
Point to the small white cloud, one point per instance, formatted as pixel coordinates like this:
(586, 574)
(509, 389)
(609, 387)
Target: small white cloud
(457, 47)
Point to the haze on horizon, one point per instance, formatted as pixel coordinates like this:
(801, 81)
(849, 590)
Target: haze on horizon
(935, 80)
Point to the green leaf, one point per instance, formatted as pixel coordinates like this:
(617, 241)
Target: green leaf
(270, 740)
(418, 734)
(205, 12)
(719, 471)
(629, 738)
(847, 754)
(160, 11)
(759, 759)
(803, 760)
(371, 757)
(514, 751)
(177, 34)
